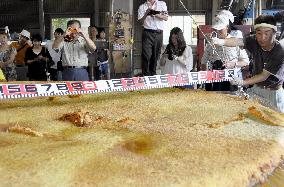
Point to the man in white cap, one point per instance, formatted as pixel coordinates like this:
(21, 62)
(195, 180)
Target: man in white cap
(21, 46)
(268, 64)
(223, 57)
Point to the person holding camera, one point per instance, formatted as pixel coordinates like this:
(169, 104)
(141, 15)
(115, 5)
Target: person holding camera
(75, 47)
(223, 57)
(177, 57)
(152, 14)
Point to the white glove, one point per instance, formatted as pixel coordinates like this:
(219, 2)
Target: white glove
(218, 41)
(230, 64)
(236, 81)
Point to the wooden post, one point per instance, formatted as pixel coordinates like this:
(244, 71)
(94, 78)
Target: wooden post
(215, 7)
(41, 18)
(95, 20)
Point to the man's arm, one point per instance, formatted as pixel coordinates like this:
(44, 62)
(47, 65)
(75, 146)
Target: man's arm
(162, 16)
(89, 42)
(257, 78)
(250, 81)
(229, 42)
(141, 20)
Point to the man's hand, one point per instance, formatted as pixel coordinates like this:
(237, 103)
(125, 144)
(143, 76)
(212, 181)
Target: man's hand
(147, 12)
(236, 81)
(230, 65)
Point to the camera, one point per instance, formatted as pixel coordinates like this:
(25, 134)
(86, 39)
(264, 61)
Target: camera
(70, 37)
(154, 12)
(218, 65)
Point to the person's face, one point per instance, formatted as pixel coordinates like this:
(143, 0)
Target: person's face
(152, 1)
(22, 39)
(57, 35)
(265, 37)
(102, 35)
(93, 31)
(3, 39)
(223, 33)
(174, 39)
(36, 43)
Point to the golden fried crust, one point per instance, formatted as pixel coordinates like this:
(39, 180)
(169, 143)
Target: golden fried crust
(163, 137)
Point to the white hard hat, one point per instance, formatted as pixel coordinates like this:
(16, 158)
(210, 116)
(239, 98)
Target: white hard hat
(228, 14)
(221, 22)
(26, 33)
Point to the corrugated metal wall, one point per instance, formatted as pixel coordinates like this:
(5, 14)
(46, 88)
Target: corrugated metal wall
(19, 14)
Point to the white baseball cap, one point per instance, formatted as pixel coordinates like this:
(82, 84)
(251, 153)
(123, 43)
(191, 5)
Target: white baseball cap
(228, 14)
(26, 33)
(221, 22)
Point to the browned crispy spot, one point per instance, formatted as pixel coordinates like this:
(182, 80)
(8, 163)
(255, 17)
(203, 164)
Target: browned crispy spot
(75, 96)
(100, 119)
(52, 98)
(239, 117)
(125, 120)
(79, 119)
(24, 130)
(214, 125)
(139, 145)
(254, 112)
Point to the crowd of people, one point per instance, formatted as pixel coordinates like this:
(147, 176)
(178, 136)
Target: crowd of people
(68, 57)
(76, 56)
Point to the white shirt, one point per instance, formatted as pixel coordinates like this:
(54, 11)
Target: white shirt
(54, 55)
(152, 22)
(74, 53)
(183, 64)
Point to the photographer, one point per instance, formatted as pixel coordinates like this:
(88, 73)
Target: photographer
(177, 57)
(152, 14)
(75, 47)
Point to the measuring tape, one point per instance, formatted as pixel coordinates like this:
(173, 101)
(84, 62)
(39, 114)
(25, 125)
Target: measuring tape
(14, 91)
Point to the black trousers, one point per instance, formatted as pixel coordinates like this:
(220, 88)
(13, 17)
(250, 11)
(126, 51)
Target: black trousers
(53, 74)
(151, 48)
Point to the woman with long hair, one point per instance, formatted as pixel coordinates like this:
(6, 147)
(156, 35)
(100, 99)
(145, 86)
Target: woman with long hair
(177, 57)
